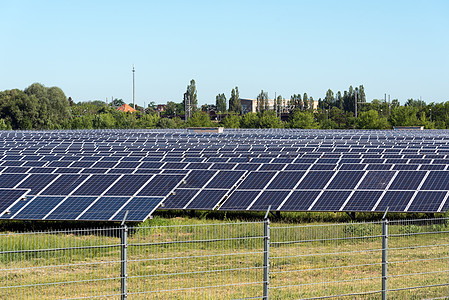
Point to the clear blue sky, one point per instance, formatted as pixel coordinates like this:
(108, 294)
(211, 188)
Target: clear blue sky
(87, 48)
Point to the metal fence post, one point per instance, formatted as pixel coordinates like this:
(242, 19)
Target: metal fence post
(266, 256)
(384, 257)
(123, 258)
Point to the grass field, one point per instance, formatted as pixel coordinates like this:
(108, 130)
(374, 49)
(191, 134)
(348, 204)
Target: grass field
(209, 258)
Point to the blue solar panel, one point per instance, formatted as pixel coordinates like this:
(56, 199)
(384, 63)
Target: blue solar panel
(286, 180)
(436, 180)
(180, 198)
(267, 198)
(139, 208)
(225, 179)
(37, 182)
(300, 201)
(161, 185)
(256, 180)
(362, 201)
(207, 199)
(38, 207)
(247, 166)
(8, 197)
(331, 200)
(11, 180)
(104, 208)
(376, 180)
(315, 180)
(427, 202)
(239, 200)
(346, 180)
(128, 185)
(395, 201)
(71, 208)
(95, 185)
(407, 180)
(65, 184)
(197, 178)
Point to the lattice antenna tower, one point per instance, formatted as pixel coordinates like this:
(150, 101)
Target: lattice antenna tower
(187, 105)
(134, 89)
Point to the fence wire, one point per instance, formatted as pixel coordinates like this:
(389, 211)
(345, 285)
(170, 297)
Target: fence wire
(230, 261)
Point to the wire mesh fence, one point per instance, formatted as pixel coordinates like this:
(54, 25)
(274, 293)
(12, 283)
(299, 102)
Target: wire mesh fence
(241, 260)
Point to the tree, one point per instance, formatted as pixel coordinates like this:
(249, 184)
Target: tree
(268, 119)
(220, 102)
(199, 119)
(305, 99)
(170, 108)
(117, 102)
(235, 104)
(262, 101)
(231, 121)
(371, 120)
(301, 119)
(329, 99)
(191, 90)
(250, 120)
(296, 102)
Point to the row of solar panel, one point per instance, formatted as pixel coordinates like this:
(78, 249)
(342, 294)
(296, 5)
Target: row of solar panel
(182, 169)
(118, 184)
(17, 160)
(161, 184)
(84, 208)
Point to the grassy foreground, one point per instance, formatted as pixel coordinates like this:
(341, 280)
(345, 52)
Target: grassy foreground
(204, 257)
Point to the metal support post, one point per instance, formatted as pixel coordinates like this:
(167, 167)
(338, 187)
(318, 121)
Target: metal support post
(123, 258)
(384, 255)
(266, 255)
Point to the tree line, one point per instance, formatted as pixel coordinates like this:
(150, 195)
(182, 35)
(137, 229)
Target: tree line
(40, 107)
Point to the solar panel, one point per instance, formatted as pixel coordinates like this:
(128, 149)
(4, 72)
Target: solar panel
(225, 180)
(436, 180)
(207, 199)
(9, 197)
(407, 180)
(180, 198)
(315, 180)
(139, 209)
(362, 201)
(37, 182)
(299, 201)
(396, 201)
(198, 178)
(286, 180)
(128, 185)
(346, 180)
(239, 200)
(427, 201)
(37, 207)
(330, 201)
(256, 180)
(64, 184)
(161, 185)
(11, 180)
(70, 208)
(376, 180)
(267, 198)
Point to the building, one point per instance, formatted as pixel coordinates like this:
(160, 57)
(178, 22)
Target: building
(161, 108)
(126, 108)
(250, 105)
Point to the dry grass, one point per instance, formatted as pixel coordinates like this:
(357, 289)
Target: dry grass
(331, 259)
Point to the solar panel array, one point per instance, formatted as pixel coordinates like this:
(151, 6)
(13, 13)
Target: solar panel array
(100, 174)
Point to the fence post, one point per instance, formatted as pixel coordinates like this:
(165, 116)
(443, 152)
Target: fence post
(266, 256)
(384, 257)
(123, 259)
